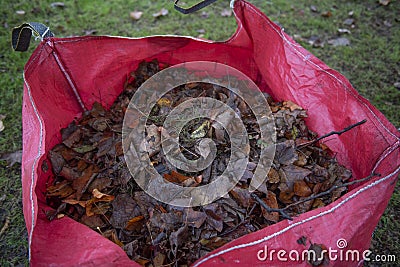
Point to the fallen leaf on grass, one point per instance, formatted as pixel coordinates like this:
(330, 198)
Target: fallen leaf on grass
(384, 2)
(2, 117)
(313, 8)
(349, 21)
(135, 15)
(341, 41)
(326, 14)
(342, 31)
(316, 41)
(162, 12)
(57, 4)
(226, 13)
(12, 158)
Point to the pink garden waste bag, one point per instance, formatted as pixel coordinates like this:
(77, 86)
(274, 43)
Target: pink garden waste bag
(62, 70)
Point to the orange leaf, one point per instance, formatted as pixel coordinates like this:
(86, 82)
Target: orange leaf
(74, 201)
(292, 106)
(134, 223)
(271, 201)
(175, 177)
(301, 189)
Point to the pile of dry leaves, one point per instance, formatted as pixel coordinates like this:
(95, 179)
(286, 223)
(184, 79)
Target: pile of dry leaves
(93, 185)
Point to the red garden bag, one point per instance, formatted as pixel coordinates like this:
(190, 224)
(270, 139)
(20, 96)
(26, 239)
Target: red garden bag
(62, 70)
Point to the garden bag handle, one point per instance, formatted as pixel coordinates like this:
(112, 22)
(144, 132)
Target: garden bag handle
(21, 36)
(194, 8)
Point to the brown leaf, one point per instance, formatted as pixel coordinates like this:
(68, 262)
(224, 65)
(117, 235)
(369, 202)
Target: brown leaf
(318, 203)
(242, 196)
(286, 196)
(162, 12)
(273, 176)
(61, 190)
(112, 235)
(94, 221)
(304, 206)
(213, 243)
(294, 173)
(74, 202)
(285, 153)
(81, 183)
(301, 160)
(134, 224)
(97, 197)
(97, 194)
(68, 173)
(124, 209)
(326, 14)
(175, 177)
(195, 218)
(271, 201)
(337, 193)
(135, 15)
(99, 183)
(178, 237)
(291, 106)
(302, 189)
(73, 138)
(159, 259)
(105, 146)
(213, 219)
(57, 161)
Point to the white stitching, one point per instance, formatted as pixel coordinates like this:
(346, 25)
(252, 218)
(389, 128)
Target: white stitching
(33, 166)
(85, 38)
(244, 245)
(385, 153)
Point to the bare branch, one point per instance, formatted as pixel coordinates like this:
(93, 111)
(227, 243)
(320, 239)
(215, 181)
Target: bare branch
(348, 128)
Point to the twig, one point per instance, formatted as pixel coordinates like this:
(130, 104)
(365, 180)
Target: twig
(348, 128)
(282, 212)
(269, 209)
(5, 226)
(331, 190)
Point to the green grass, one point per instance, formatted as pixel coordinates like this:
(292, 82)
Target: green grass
(371, 63)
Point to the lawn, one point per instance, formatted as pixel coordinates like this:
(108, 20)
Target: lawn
(371, 62)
